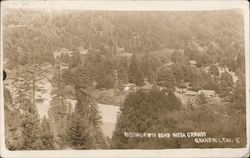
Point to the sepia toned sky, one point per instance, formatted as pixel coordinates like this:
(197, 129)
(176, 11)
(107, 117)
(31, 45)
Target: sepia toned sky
(126, 5)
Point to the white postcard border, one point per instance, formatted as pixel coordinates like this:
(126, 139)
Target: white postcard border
(131, 5)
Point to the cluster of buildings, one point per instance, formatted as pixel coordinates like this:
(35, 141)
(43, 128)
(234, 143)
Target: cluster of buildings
(147, 86)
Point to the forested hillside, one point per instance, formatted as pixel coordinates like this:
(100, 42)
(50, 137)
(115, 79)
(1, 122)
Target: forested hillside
(221, 32)
(167, 71)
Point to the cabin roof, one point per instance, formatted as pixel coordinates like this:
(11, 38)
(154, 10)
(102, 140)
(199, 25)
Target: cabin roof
(206, 91)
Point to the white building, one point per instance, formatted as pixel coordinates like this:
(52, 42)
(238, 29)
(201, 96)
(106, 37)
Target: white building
(58, 54)
(192, 63)
(83, 51)
(191, 93)
(130, 86)
(207, 93)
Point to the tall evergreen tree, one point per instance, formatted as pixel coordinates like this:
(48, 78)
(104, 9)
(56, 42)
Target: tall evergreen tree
(30, 126)
(178, 73)
(179, 57)
(76, 59)
(240, 62)
(78, 135)
(149, 66)
(197, 80)
(214, 70)
(239, 95)
(84, 130)
(201, 99)
(165, 78)
(58, 109)
(46, 135)
(140, 113)
(12, 123)
(83, 125)
(26, 81)
(133, 117)
(105, 74)
(174, 103)
(122, 71)
(226, 85)
(187, 73)
(134, 72)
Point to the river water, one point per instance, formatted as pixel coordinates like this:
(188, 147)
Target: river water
(43, 107)
(109, 118)
(108, 112)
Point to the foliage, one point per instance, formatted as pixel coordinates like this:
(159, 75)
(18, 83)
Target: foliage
(83, 129)
(166, 78)
(77, 133)
(30, 38)
(139, 112)
(226, 85)
(214, 70)
(197, 80)
(178, 57)
(122, 70)
(149, 65)
(26, 80)
(174, 103)
(105, 74)
(134, 72)
(30, 127)
(178, 73)
(201, 99)
(13, 135)
(239, 96)
(58, 109)
(46, 135)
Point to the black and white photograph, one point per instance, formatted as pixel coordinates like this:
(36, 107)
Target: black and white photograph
(120, 79)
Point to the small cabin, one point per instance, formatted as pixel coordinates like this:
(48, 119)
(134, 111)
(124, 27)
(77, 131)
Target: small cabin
(192, 62)
(83, 51)
(191, 93)
(130, 86)
(120, 49)
(125, 55)
(62, 51)
(64, 66)
(147, 86)
(207, 93)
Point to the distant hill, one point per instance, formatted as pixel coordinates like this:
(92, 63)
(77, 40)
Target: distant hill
(30, 31)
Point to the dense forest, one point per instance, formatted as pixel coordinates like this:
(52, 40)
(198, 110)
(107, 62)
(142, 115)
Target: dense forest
(168, 71)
